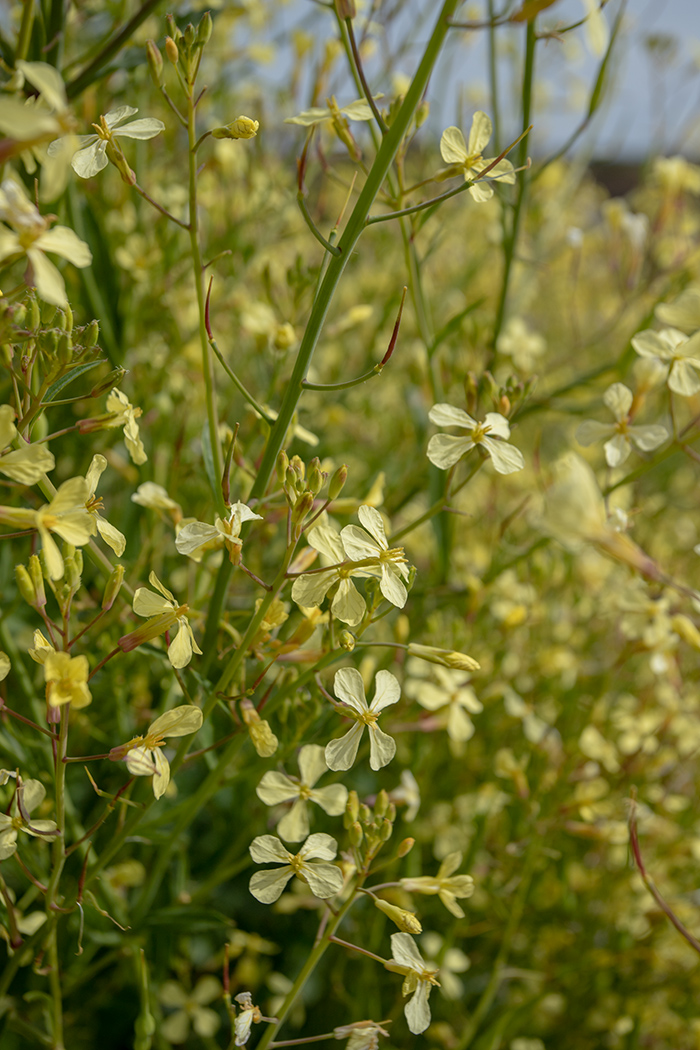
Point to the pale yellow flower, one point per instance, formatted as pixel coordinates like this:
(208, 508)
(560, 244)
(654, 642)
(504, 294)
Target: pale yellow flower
(30, 235)
(444, 450)
(419, 979)
(468, 159)
(27, 463)
(125, 415)
(445, 884)
(197, 536)
(67, 680)
(163, 610)
(449, 691)
(276, 787)
(143, 754)
(680, 353)
(370, 545)
(621, 434)
(324, 879)
(29, 795)
(310, 589)
(349, 688)
(66, 515)
(191, 1009)
(111, 535)
(91, 156)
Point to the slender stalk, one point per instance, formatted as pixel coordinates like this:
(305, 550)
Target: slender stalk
(512, 240)
(83, 80)
(309, 966)
(58, 860)
(25, 31)
(198, 272)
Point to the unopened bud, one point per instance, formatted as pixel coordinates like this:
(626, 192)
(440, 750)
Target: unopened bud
(355, 835)
(281, 466)
(391, 813)
(112, 587)
(353, 806)
(381, 804)
(35, 315)
(25, 585)
(405, 847)
(365, 814)
(190, 34)
(346, 9)
(422, 113)
(47, 312)
(64, 348)
(346, 641)
(240, 128)
(405, 920)
(316, 478)
(112, 379)
(264, 740)
(686, 629)
(303, 506)
(204, 29)
(386, 830)
(285, 337)
(171, 50)
(91, 334)
(155, 62)
(337, 482)
(444, 657)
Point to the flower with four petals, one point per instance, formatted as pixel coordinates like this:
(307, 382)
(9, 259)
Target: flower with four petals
(445, 884)
(162, 611)
(66, 515)
(682, 354)
(25, 464)
(112, 536)
(467, 158)
(91, 157)
(369, 544)
(30, 235)
(310, 589)
(197, 537)
(324, 879)
(143, 754)
(349, 688)
(444, 450)
(621, 434)
(277, 787)
(419, 979)
(451, 691)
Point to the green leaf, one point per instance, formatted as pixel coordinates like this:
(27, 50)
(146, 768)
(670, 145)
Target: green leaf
(68, 378)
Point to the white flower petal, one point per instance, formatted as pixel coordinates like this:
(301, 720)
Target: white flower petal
(453, 148)
(444, 415)
(312, 763)
(145, 128)
(267, 849)
(179, 721)
(417, 1009)
(331, 799)
(617, 450)
(349, 687)
(506, 458)
(590, 431)
(444, 450)
(49, 283)
(148, 604)
(371, 519)
(648, 437)
(340, 754)
(319, 847)
(90, 161)
(348, 604)
(391, 586)
(498, 425)
(294, 826)
(618, 398)
(267, 886)
(64, 242)
(325, 880)
(277, 787)
(382, 747)
(479, 133)
(405, 953)
(387, 691)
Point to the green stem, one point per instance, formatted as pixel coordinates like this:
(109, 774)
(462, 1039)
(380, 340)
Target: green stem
(58, 860)
(308, 968)
(198, 272)
(353, 230)
(236, 381)
(25, 31)
(493, 80)
(89, 74)
(516, 913)
(512, 240)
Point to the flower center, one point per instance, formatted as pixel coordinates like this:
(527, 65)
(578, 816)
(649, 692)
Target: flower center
(102, 129)
(479, 432)
(304, 791)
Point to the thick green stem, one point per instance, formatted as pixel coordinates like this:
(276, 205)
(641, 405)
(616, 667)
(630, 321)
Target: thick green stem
(355, 226)
(25, 31)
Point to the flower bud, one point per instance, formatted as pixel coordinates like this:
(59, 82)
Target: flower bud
(405, 920)
(48, 312)
(346, 9)
(281, 466)
(432, 655)
(405, 847)
(686, 629)
(91, 334)
(204, 30)
(35, 316)
(240, 128)
(171, 50)
(285, 337)
(190, 34)
(346, 641)
(264, 740)
(355, 835)
(381, 804)
(25, 585)
(365, 814)
(155, 63)
(113, 586)
(303, 506)
(37, 576)
(391, 813)
(111, 380)
(316, 477)
(386, 830)
(64, 348)
(337, 482)
(353, 806)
